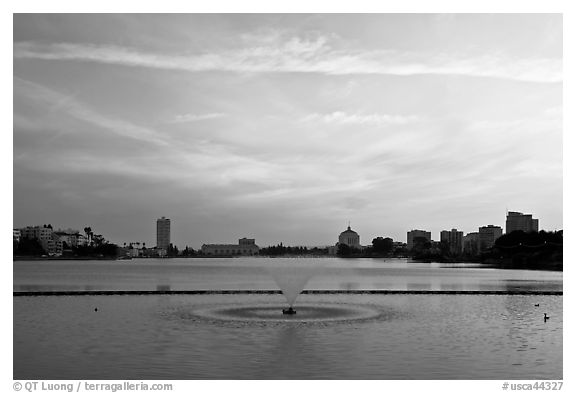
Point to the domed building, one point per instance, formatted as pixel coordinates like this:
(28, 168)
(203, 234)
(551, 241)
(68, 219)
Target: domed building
(350, 238)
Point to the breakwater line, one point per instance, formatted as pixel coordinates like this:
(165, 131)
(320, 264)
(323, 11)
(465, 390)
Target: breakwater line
(275, 292)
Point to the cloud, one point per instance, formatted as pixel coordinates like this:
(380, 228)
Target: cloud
(375, 119)
(192, 117)
(305, 56)
(80, 111)
(203, 163)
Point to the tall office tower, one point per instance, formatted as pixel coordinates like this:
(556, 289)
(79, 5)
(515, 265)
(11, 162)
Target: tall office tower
(414, 234)
(163, 233)
(516, 221)
(454, 240)
(487, 236)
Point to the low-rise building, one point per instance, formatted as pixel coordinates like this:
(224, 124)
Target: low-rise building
(44, 234)
(69, 237)
(244, 247)
(16, 235)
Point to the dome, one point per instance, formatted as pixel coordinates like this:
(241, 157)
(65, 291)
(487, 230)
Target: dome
(349, 238)
(349, 231)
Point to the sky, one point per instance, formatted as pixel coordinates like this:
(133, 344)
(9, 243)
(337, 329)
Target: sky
(285, 127)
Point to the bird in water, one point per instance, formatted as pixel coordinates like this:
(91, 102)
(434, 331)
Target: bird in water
(546, 317)
(537, 305)
(96, 309)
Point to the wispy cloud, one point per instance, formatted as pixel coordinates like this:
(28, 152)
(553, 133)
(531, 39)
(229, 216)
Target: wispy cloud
(80, 111)
(213, 164)
(193, 117)
(305, 56)
(374, 119)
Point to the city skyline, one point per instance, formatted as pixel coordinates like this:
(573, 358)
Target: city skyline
(286, 127)
(166, 233)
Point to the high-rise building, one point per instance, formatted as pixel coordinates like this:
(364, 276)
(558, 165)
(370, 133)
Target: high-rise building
(516, 221)
(487, 236)
(414, 234)
(454, 240)
(163, 233)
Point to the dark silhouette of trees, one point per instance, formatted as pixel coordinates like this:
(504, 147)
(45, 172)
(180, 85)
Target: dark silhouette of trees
(421, 248)
(344, 250)
(530, 239)
(97, 246)
(280, 249)
(88, 232)
(172, 251)
(532, 250)
(28, 247)
(382, 246)
(188, 252)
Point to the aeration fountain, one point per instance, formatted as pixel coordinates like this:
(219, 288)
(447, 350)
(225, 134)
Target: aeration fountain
(291, 279)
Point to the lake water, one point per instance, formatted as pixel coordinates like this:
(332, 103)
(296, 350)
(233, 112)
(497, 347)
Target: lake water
(253, 273)
(245, 336)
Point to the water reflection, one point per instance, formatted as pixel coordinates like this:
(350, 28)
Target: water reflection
(416, 286)
(251, 273)
(291, 345)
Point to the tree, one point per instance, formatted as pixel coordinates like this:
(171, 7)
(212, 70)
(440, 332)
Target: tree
(344, 250)
(382, 245)
(98, 240)
(421, 248)
(188, 251)
(29, 247)
(529, 250)
(97, 246)
(88, 232)
(172, 250)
